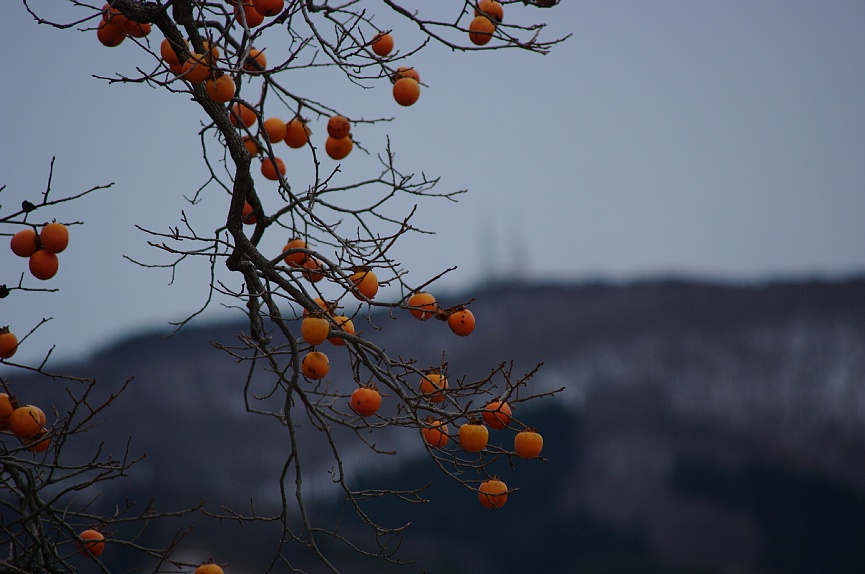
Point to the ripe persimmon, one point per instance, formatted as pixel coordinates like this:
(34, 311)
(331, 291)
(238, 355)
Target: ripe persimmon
(338, 148)
(423, 305)
(24, 243)
(275, 129)
(312, 270)
(136, 29)
(315, 365)
(169, 52)
(255, 62)
(113, 16)
(251, 146)
(26, 421)
(269, 171)
(433, 385)
(220, 89)
(338, 127)
(296, 133)
(481, 30)
(345, 324)
(491, 9)
(8, 343)
(314, 329)
(209, 568)
(365, 401)
(248, 216)
(109, 35)
(473, 436)
(92, 542)
(528, 443)
(298, 258)
(40, 442)
(268, 7)
(462, 322)
(243, 113)
(44, 264)
(436, 434)
(54, 237)
(493, 493)
(406, 72)
(253, 17)
(497, 414)
(382, 44)
(322, 305)
(406, 91)
(195, 70)
(6, 408)
(366, 283)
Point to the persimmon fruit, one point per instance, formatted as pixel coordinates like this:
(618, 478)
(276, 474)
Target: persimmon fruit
(497, 414)
(195, 70)
(24, 243)
(312, 270)
(493, 493)
(220, 89)
(253, 17)
(268, 7)
(92, 544)
(314, 330)
(481, 30)
(168, 51)
(109, 35)
(296, 133)
(54, 237)
(8, 343)
(338, 149)
(406, 72)
(255, 62)
(315, 365)
(242, 113)
(473, 436)
(26, 421)
(382, 44)
(345, 324)
(406, 91)
(491, 9)
(248, 216)
(338, 127)
(528, 443)
(6, 408)
(433, 386)
(269, 171)
(436, 434)
(136, 29)
(296, 259)
(462, 322)
(423, 305)
(44, 264)
(365, 401)
(275, 129)
(366, 283)
(209, 568)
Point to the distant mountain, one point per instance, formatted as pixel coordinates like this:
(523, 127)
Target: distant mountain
(703, 428)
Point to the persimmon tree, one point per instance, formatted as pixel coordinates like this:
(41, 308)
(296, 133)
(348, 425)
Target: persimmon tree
(310, 303)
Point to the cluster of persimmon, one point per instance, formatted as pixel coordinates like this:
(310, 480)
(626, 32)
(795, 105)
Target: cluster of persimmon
(406, 81)
(488, 15)
(41, 248)
(26, 422)
(473, 435)
(114, 27)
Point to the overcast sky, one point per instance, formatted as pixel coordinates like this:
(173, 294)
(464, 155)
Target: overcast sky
(722, 140)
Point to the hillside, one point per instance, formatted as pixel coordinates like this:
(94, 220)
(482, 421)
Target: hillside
(703, 428)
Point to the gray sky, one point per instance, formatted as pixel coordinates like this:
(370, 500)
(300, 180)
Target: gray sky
(722, 140)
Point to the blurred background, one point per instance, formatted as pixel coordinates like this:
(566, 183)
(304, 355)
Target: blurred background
(666, 210)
